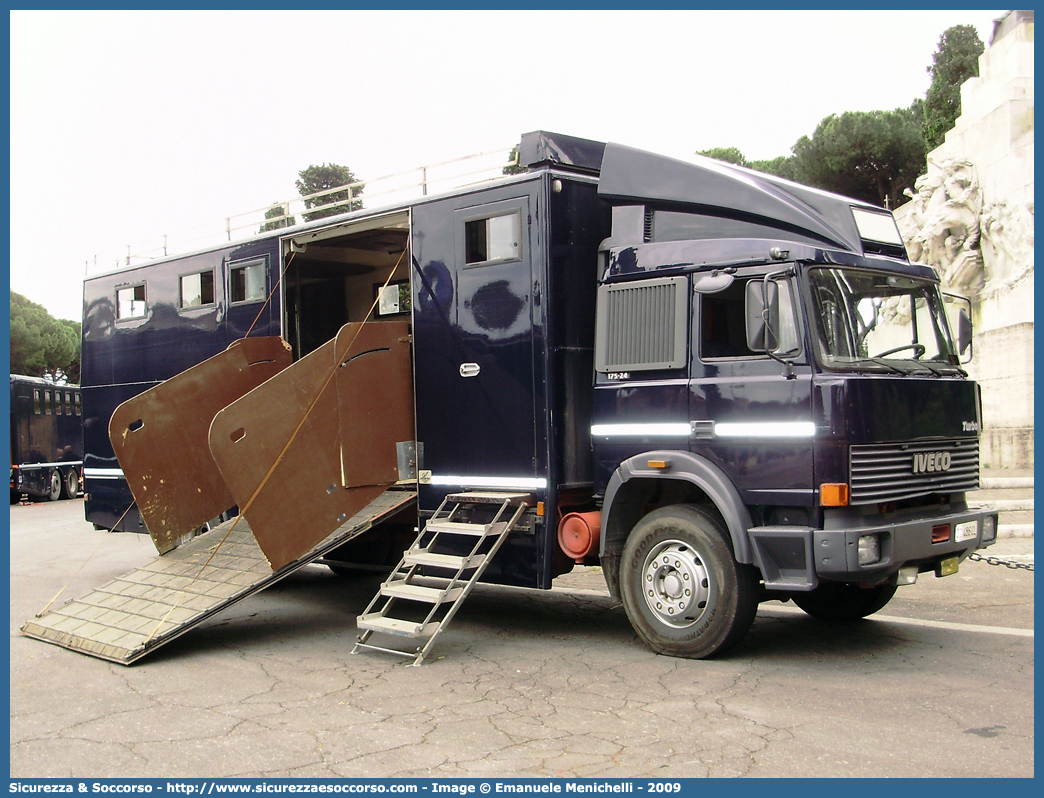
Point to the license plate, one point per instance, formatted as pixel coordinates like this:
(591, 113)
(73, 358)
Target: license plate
(947, 567)
(966, 531)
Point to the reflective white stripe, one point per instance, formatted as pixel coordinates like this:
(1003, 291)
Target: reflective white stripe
(31, 466)
(489, 482)
(663, 430)
(103, 473)
(777, 429)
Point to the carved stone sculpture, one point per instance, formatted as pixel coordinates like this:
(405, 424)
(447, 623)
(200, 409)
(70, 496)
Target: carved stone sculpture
(943, 226)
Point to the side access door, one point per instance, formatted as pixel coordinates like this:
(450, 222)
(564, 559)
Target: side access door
(473, 302)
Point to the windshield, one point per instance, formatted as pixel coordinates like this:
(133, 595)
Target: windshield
(871, 320)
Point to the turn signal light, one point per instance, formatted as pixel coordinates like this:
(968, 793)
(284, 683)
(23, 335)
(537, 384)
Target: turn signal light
(940, 533)
(833, 494)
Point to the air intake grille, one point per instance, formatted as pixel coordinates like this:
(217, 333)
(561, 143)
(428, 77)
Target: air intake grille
(642, 325)
(891, 472)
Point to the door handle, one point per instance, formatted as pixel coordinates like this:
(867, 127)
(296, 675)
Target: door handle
(469, 369)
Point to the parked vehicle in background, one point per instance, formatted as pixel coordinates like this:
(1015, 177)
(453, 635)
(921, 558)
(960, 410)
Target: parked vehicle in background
(46, 439)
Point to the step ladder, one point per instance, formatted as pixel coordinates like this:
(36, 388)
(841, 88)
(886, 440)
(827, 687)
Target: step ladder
(423, 592)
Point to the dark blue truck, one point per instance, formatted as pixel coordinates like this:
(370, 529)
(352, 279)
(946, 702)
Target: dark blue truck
(46, 439)
(722, 387)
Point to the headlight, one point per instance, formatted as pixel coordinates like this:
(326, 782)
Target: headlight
(869, 549)
(989, 528)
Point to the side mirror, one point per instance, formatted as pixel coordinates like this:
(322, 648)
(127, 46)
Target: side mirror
(762, 314)
(964, 334)
(958, 313)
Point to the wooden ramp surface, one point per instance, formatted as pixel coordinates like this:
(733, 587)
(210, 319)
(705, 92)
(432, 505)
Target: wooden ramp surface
(140, 611)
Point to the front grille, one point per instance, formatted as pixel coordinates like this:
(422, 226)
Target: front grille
(886, 472)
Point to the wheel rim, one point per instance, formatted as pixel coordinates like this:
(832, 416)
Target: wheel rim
(676, 584)
(56, 484)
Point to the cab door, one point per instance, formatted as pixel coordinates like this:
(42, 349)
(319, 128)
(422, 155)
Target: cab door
(751, 414)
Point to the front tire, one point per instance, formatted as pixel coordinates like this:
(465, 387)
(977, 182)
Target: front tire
(683, 591)
(840, 601)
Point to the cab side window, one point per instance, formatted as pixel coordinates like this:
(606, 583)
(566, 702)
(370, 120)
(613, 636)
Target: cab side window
(723, 332)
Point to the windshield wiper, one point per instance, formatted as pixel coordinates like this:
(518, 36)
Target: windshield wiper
(881, 362)
(941, 370)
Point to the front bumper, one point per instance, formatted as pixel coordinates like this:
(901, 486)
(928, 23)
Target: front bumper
(797, 558)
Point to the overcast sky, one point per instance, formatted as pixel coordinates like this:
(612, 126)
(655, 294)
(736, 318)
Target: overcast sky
(126, 125)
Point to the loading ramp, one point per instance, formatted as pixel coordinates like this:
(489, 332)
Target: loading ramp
(146, 608)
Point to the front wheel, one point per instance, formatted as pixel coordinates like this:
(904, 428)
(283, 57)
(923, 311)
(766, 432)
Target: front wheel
(683, 591)
(840, 601)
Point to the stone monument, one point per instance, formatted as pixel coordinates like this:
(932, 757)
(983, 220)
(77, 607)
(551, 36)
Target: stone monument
(971, 218)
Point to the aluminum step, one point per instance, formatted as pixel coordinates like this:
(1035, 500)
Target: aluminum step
(450, 561)
(375, 622)
(431, 595)
(461, 528)
(490, 497)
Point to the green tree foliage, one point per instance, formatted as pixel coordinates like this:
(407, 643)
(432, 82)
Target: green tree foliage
(955, 61)
(870, 156)
(322, 178)
(513, 167)
(41, 345)
(726, 154)
(275, 214)
(782, 166)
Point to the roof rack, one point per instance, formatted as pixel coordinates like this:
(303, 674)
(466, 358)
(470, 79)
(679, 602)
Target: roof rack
(380, 192)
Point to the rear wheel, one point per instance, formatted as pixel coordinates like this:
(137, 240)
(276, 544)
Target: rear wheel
(70, 484)
(683, 591)
(55, 491)
(840, 601)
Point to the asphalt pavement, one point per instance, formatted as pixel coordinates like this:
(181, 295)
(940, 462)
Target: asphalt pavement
(523, 683)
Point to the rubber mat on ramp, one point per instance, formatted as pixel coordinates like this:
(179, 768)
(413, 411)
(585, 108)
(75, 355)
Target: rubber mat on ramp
(138, 612)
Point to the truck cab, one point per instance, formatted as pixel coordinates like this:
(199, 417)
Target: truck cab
(779, 407)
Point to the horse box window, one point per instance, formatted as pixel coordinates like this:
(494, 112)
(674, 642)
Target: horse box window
(247, 281)
(393, 299)
(197, 289)
(130, 302)
(493, 239)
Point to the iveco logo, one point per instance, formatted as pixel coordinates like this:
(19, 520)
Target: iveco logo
(927, 462)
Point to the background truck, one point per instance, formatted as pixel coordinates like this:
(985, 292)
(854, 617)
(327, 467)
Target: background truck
(46, 439)
(722, 387)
